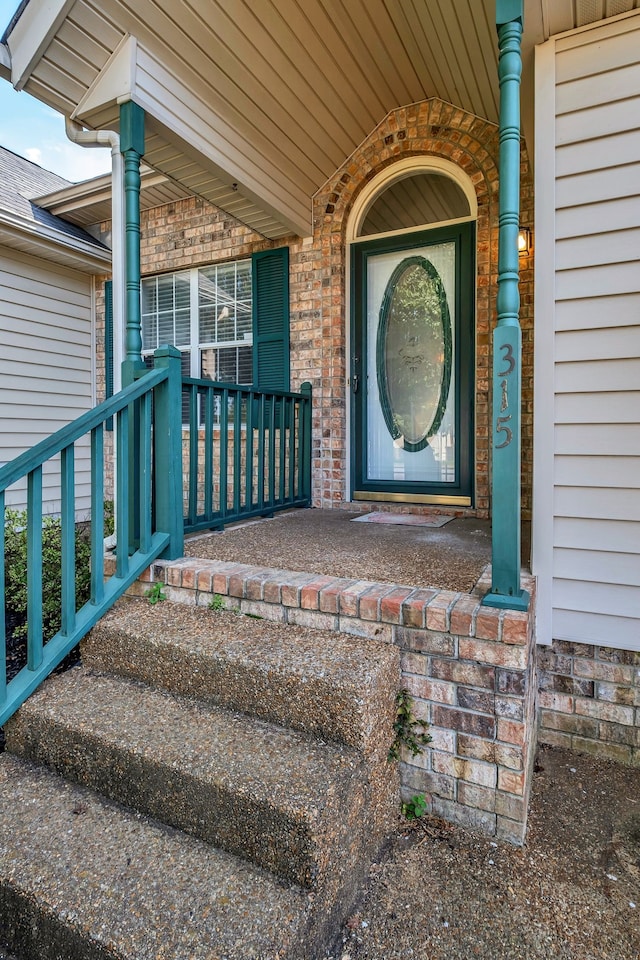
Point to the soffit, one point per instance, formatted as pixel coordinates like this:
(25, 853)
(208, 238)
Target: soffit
(89, 203)
(291, 86)
(253, 104)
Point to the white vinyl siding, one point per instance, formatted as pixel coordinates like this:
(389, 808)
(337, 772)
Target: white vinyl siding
(45, 366)
(587, 480)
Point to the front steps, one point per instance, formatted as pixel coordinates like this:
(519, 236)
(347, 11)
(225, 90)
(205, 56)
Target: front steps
(206, 785)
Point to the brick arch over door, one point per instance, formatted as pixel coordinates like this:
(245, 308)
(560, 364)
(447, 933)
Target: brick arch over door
(431, 128)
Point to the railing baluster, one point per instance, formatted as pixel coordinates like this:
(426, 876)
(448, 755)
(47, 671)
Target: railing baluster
(237, 450)
(248, 456)
(261, 429)
(68, 552)
(3, 621)
(292, 445)
(301, 441)
(97, 514)
(272, 450)
(306, 446)
(34, 568)
(193, 453)
(208, 453)
(283, 440)
(145, 473)
(122, 488)
(224, 452)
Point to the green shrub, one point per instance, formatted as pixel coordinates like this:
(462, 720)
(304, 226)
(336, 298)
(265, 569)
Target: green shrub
(16, 570)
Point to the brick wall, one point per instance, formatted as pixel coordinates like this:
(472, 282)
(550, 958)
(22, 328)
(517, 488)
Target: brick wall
(192, 233)
(590, 700)
(431, 128)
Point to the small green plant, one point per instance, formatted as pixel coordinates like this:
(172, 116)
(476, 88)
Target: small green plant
(216, 603)
(109, 518)
(414, 808)
(409, 731)
(155, 593)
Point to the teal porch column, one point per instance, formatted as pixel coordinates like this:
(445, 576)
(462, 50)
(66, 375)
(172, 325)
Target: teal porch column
(132, 148)
(507, 336)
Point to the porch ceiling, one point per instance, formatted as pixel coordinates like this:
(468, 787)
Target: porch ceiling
(253, 104)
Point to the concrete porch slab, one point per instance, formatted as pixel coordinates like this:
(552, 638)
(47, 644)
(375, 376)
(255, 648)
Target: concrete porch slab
(325, 542)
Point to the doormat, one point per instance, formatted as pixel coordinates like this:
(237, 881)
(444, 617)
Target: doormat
(404, 519)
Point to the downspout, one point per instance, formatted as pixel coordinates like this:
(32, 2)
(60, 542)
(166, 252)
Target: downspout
(107, 138)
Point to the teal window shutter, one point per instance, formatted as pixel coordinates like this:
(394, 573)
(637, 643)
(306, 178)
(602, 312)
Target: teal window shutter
(108, 345)
(270, 295)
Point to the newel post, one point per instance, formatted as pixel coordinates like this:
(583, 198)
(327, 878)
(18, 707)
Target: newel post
(507, 336)
(306, 390)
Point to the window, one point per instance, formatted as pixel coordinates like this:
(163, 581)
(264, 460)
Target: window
(207, 314)
(230, 321)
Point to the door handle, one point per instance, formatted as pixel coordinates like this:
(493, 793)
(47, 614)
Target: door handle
(355, 382)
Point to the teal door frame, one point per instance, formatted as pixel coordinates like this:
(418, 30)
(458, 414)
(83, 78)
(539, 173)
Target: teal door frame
(460, 493)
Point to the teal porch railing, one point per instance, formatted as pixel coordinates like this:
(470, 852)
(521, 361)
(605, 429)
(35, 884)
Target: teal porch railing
(247, 453)
(153, 402)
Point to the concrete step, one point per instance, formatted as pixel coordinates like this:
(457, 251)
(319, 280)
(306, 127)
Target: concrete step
(328, 684)
(280, 798)
(83, 879)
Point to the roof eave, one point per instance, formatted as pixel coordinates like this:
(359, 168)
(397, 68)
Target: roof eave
(51, 244)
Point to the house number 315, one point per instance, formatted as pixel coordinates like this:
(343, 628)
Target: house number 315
(502, 421)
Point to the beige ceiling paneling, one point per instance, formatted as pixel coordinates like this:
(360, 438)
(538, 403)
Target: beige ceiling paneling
(559, 16)
(590, 11)
(416, 201)
(277, 93)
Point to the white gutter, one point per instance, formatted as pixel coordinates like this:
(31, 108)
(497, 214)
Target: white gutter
(107, 138)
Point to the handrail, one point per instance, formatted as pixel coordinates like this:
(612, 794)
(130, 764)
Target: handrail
(217, 385)
(249, 454)
(148, 524)
(53, 445)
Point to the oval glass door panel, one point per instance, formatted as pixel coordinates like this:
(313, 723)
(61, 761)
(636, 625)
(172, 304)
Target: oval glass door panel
(413, 353)
(410, 387)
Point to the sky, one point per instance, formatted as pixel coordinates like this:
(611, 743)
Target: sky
(36, 132)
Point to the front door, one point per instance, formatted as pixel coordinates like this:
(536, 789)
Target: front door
(412, 366)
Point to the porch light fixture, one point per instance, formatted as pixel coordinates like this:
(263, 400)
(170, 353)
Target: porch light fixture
(524, 241)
